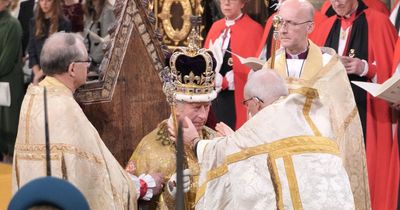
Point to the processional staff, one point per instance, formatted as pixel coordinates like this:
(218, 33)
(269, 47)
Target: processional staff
(183, 153)
(276, 23)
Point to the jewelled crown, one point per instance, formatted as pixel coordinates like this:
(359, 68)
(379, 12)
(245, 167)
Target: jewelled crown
(193, 72)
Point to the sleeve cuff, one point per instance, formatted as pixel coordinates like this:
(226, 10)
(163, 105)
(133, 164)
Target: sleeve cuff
(149, 182)
(369, 70)
(201, 145)
(142, 185)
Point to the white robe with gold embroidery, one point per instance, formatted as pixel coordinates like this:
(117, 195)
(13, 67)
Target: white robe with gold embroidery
(77, 152)
(282, 158)
(238, 171)
(324, 72)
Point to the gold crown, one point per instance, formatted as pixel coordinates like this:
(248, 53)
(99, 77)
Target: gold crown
(193, 72)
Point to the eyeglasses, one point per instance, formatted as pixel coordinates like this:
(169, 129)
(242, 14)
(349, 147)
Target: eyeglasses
(88, 61)
(289, 23)
(244, 102)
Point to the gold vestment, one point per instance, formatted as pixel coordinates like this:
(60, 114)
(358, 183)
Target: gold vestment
(156, 153)
(77, 152)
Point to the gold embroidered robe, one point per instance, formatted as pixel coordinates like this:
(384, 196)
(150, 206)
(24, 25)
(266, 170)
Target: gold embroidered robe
(282, 158)
(77, 152)
(281, 129)
(324, 72)
(156, 153)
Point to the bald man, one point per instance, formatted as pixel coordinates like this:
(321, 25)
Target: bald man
(274, 161)
(302, 63)
(298, 57)
(265, 46)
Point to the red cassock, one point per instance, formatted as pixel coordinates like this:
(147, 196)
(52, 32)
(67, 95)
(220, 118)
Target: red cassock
(245, 37)
(382, 163)
(268, 33)
(395, 162)
(373, 4)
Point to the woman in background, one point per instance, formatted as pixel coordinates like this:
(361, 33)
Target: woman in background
(99, 17)
(240, 34)
(48, 19)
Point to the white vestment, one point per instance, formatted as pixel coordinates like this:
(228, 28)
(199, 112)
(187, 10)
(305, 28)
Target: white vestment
(324, 72)
(77, 152)
(282, 158)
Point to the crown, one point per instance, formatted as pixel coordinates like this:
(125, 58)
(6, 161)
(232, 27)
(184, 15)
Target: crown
(193, 72)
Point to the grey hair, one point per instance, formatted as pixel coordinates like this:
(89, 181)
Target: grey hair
(59, 51)
(267, 85)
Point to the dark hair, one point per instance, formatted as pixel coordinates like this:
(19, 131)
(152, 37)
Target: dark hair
(90, 9)
(59, 50)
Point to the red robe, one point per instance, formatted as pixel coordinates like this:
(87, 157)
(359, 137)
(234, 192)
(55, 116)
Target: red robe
(373, 4)
(318, 18)
(379, 139)
(267, 30)
(395, 162)
(245, 37)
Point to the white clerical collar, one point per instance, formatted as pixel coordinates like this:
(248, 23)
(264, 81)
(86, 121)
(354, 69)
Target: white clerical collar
(301, 55)
(229, 23)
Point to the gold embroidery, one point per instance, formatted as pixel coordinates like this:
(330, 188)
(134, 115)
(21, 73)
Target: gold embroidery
(273, 170)
(37, 156)
(324, 70)
(312, 65)
(306, 113)
(310, 94)
(305, 91)
(280, 147)
(27, 124)
(292, 181)
(313, 62)
(36, 151)
(347, 121)
(163, 134)
(152, 156)
(284, 147)
(213, 174)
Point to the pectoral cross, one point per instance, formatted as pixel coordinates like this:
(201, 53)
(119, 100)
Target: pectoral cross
(343, 34)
